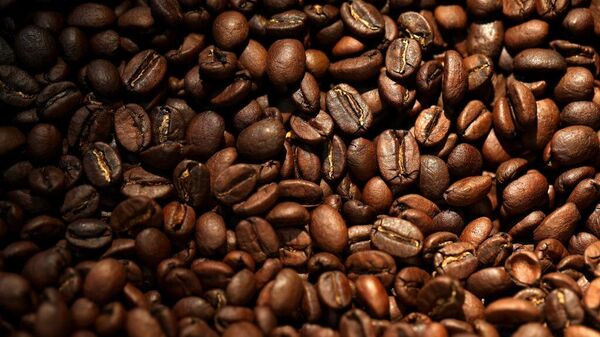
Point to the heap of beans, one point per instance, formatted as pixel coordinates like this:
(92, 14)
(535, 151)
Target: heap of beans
(287, 168)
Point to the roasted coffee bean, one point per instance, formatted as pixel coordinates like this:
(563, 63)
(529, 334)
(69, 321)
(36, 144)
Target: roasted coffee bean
(480, 69)
(362, 18)
(178, 220)
(103, 78)
(88, 234)
(489, 282)
(132, 127)
(19, 89)
(139, 182)
(168, 124)
(525, 193)
(432, 126)
(80, 202)
(211, 233)
(349, 111)
(357, 69)
(104, 280)
(398, 157)
(286, 24)
(581, 113)
(192, 182)
(57, 100)
(328, 229)
(307, 96)
(286, 62)
(403, 58)
(133, 213)
(415, 26)
(441, 297)
(261, 140)
(456, 260)
(512, 311)
(567, 216)
(144, 72)
(397, 237)
(102, 165)
(334, 290)
(454, 79)
(89, 124)
(217, 64)
(286, 292)
(35, 47)
(204, 131)
(468, 191)
(537, 61)
(524, 268)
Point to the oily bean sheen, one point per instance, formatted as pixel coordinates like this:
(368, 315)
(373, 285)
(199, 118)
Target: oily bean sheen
(286, 168)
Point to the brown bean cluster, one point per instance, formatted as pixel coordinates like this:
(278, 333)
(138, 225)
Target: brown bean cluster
(286, 168)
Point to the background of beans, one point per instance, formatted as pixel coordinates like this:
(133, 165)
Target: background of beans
(283, 168)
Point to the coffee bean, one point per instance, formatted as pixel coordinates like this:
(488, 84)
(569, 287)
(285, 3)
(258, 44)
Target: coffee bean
(132, 127)
(102, 165)
(559, 224)
(57, 100)
(403, 58)
(512, 311)
(357, 69)
(456, 260)
(415, 26)
(480, 69)
(262, 140)
(80, 202)
(397, 237)
(313, 131)
(286, 24)
(529, 34)
(441, 297)
(192, 182)
(144, 72)
(398, 157)
(104, 280)
(524, 268)
(334, 290)
(35, 48)
(286, 292)
(88, 234)
(468, 191)
(432, 126)
(328, 229)
(227, 22)
(454, 79)
(349, 110)
(133, 213)
(286, 62)
(139, 182)
(524, 193)
(20, 89)
(362, 18)
(486, 38)
(537, 60)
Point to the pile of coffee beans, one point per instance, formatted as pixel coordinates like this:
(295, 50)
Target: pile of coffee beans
(295, 168)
